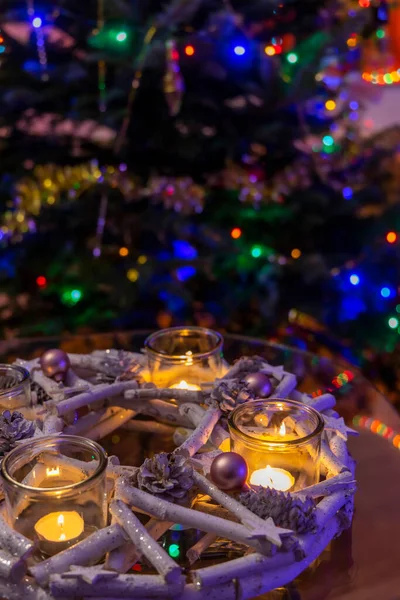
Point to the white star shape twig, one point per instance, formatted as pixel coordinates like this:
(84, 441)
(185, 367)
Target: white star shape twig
(89, 574)
(339, 426)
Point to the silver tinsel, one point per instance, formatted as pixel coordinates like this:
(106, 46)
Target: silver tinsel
(13, 428)
(291, 512)
(167, 475)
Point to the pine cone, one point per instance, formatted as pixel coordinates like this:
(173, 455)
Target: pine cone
(168, 475)
(229, 394)
(287, 511)
(13, 428)
(41, 394)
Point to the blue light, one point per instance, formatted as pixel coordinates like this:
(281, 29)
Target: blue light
(327, 140)
(182, 249)
(353, 105)
(184, 273)
(239, 50)
(2, 49)
(347, 193)
(37, 22)
(354, 279)
(385, 292)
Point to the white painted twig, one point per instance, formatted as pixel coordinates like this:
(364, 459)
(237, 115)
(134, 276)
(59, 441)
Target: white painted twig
(285, 386)
(12, 567)
(323, 402)
(164, 394)
(166, 511)
(328, 507)
(123, 558)
(200, 435)
(86, 552)
(24, 590)
(13, 542)
(214, 509)
(52, 424)
(331, 463)
(342, 482)
(159, 409)
(197, 549)
(99, 392)
(90, 420)
(195, 413)
(249, 519)
(121, 586)
(109, 425)
(339, 448)
(145, 543)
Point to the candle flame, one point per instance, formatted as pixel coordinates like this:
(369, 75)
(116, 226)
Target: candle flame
(272, 477)
(184, 385)
(60, 520)
(189, 358)
(282, 429)
(52, 471)
(62, 537)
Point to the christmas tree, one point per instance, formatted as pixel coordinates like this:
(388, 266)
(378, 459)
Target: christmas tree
(197, 161)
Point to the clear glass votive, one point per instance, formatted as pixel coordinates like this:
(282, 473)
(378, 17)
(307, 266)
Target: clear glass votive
(15, 387)
(280, 441)
(184, 357)
(55, 490)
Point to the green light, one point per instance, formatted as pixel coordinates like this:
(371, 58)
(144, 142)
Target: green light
(327, 140)
(393, 322)
(292, 58)
(174, 550)
(121, 36)
(71, 297)
(380, 33)
(256, 251)
(398, 308)
(387, 78)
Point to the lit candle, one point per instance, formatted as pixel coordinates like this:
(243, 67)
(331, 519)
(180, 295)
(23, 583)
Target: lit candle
(273, 477)
(183, 385)
(60, 526)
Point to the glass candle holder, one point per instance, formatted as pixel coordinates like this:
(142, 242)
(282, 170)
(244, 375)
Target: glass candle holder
(55, 490)
(280, 441)
(184, 357)
(15, 387)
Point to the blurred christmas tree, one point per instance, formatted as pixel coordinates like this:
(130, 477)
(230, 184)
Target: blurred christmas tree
(196, 161)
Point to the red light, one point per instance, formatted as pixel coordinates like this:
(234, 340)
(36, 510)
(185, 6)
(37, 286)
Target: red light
(41, 281)
(364, 3)
(189, 50)
(236, 233)
(278, 49)
(175, 55)
(391, 237)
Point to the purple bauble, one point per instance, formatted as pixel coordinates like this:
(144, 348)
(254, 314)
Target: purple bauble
(259, 383)
(55, 363)
(229, 471)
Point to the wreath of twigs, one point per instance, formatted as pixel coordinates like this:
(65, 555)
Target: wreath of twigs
(275, 550)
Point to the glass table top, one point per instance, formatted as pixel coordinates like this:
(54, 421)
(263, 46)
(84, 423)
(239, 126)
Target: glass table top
(362, 564)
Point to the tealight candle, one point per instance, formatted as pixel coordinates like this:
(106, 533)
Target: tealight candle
(278, 455)
(49, 498)
(15, 388)
(60, 526)
(184, 357)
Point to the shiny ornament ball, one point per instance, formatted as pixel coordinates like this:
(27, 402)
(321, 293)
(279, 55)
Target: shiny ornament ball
(259, 383)
(229, 471)
(55, 364)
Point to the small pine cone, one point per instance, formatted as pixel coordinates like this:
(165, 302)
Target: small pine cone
(41, 394)
(287, 511)
(14, 428)
(229, 394)
(168, 475)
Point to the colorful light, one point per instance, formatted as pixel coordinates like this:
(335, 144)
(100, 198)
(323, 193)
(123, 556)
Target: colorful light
(354, 105)
(352, 42)
(398, 308)
(295, 253)
(239, 50)
(41, 281)
(387, 78)
(269, 50)
(133, 275)
(327, 140)
(37, 22)
(347, 193)
(121, 36)
(354, 279)
(256, 251)
(189, 50)
(142, 259)
(292, 58)
(380, 33)
(174, 550)
(393, 322)
(236, 233)
(123, 251)
(391, 237)
(76, 295)
(71, 297)
(364, 3)
(330, 105)
(385, 292)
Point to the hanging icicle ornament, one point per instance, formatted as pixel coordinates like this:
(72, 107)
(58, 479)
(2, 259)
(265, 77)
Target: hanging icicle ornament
(173, 84)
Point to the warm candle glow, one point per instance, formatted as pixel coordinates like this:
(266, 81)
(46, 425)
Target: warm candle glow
(183, 385)
(282, 429)
(272, 477)
(52, 471)
(60, 527)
